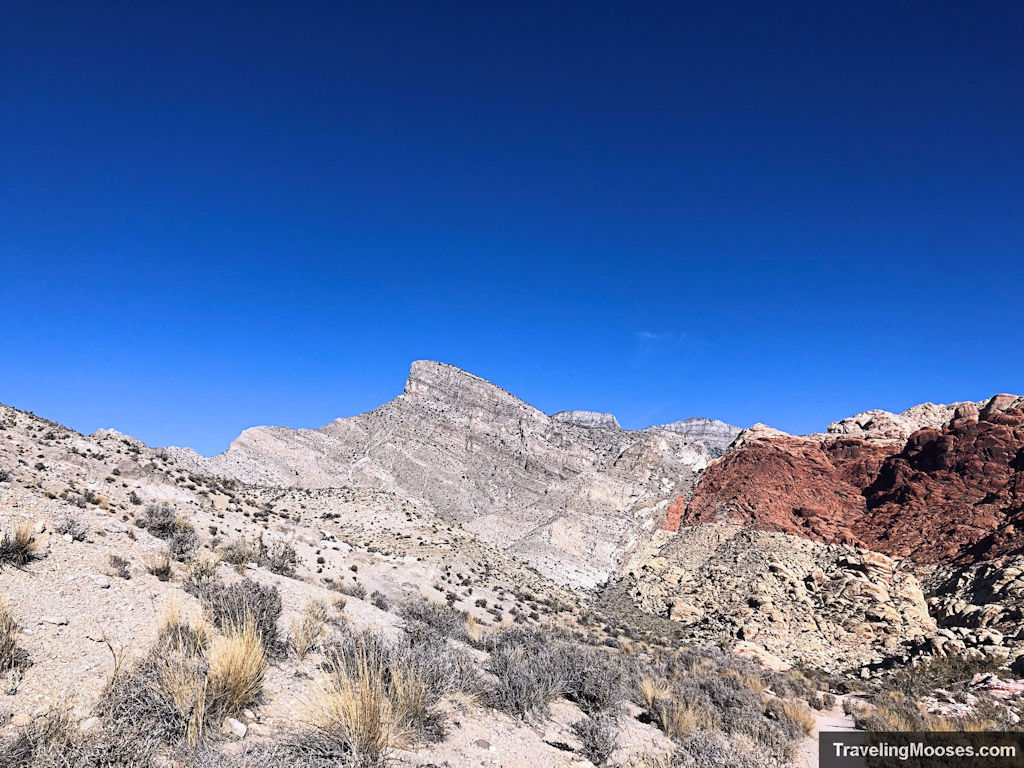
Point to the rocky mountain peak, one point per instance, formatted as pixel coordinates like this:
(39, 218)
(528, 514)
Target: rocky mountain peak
(591, 419)
(441, 386)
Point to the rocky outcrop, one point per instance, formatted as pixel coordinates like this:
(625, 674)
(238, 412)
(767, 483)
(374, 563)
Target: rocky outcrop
(881, 425)
(568, 499)
(591, 419)
(953, 493)
(715, 435)
(835, 607)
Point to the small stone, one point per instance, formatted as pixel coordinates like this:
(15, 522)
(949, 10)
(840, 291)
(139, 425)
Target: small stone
(67, 538)
(55, 620)
(89, 725)
(484, 744)
(235, 728)
(101, 581)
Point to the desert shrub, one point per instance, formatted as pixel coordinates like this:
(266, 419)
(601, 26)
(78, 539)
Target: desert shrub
(445, 667)
(159, 520)
(200, 575)
(239, 603)
(5, 476)
(239, 552)
(376, 696)
(279, 557)
(307, 630)
(121, 566)
(51, 734)
(73, 527)
(598, 737)
(354, 589)
(449, 621)
(160, 566)
(698, 691)
(183, 542)
(13, 658)
(380, 600)
(528, 675)
(591, 677)
(828, 701)
(709, 749)
(19, 546)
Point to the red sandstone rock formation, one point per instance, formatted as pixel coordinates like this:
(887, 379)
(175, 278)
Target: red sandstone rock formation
(955, 493)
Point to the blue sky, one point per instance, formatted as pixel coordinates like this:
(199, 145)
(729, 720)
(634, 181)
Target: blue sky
(215, 215)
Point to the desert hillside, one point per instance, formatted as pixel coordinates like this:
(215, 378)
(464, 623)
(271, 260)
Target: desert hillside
(457, 578)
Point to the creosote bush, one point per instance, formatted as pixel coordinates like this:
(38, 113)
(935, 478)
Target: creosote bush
(239, 603)
(73, 527)
(598, 737)
(159, 520)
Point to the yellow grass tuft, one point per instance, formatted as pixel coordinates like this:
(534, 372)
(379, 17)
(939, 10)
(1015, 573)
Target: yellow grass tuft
(654, 691)
(474, 632)
(680, 719)
(309, 628)
(353, 704)
(237, 662)
(20, 546)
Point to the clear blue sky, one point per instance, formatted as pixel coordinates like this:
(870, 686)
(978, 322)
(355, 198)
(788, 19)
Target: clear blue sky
(215, 215)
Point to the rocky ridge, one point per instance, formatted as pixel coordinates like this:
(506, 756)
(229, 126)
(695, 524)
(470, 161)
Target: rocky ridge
(716, 435)
(566, 498)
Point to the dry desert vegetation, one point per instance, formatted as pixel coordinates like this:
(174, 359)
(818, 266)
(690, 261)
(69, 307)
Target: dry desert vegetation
(159, 609)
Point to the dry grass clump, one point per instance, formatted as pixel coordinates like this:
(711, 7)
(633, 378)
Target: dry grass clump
(794, 710)
(160, 566)
(12, 657)
(187, 683)
(307, 630)
(692, 693)
(237, 662)
(19, 546)
(354, 704)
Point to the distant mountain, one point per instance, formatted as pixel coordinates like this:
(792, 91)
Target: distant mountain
(591, 419)
(567, 499)
(714, 434)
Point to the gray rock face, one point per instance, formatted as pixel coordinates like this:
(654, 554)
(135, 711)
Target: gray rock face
(567, 499)
(834, 607)
(715, 435)
(591, 419)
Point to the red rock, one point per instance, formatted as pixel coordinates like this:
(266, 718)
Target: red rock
(955, 493)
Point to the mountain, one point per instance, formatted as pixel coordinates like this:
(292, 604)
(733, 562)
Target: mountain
(460, 523)
(715, 435)
(566, 498)
(591, 419)
(937, 489)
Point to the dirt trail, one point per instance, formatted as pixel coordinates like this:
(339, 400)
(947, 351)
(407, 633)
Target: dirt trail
(830, 720)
